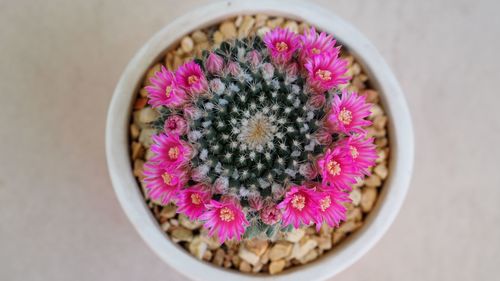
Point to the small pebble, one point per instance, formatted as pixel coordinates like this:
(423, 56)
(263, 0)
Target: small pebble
(368, 199)
(228, 30)
(187, 44)
(277, 266)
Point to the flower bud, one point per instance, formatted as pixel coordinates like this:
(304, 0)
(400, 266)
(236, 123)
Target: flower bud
(214, 63)
(317, 100)
(267, 71)
(217, 86)
(233, 68)
(270, 214)
(176, 124)
(220, 185)
(324, 137)
(292, 69)
(254, 58)
(255, 201)
(308, 171)
(191, 112)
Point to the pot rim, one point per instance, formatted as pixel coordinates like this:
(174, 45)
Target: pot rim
(400, 134)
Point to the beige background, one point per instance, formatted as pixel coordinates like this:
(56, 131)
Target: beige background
(59, 63)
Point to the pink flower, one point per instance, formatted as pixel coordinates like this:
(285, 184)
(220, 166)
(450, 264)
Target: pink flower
(170, 150)
(233, 68)
(331, 210)
(164, 90)
(214, 63)
(326, 72)
(300, 206)
(316, 45)
(337, 169)
(226, 219)
(175, 125)
(163, 183)
(254, 58)
(270, 214)
(282, 44)
(191, 201)
(348, 113)
(191, 78)
(362, 152)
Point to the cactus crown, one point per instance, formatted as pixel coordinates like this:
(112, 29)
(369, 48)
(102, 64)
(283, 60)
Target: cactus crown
(256, 124)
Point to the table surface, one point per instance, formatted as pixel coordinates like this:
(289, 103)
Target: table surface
(60, 61)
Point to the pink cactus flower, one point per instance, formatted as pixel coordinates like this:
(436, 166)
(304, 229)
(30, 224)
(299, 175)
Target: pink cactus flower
(314, 44)
(170, 150)
(326, 72)
(337, 169)
(348, 113)
(176, 125)
(282, 44)
(362, 152)
(226, 219)
(214, 63)
(163, 183)
(300, 206)
(164, 90)
(192, 201)
(270, 214)
(331, 208)
(191, 78)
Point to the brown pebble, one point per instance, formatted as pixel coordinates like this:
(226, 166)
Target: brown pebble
(368, 199)
(277, 266)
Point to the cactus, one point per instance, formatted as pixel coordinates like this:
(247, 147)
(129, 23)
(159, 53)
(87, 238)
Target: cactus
(268, 141)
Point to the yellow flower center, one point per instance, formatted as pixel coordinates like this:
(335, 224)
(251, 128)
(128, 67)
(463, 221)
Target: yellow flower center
(333, 168)
(192, 79)
(281, 46)
(195, 198)
(226, 214)
(173, 153)
(325, 203)
(345, 116)
(168, 90)
(315, 51)
(354, 152)
(167, 178)
(324, 75)
(298, 202)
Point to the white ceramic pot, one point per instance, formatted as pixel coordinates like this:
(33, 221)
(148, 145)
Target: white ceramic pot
(400, 132)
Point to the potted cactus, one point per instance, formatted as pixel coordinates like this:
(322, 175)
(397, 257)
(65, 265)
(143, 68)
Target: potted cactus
(254, 138)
